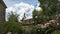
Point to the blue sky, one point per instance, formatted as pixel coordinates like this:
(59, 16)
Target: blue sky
(20, 7)
(10, 3)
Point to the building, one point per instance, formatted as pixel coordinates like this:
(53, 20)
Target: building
(2, 11)
(27, 21)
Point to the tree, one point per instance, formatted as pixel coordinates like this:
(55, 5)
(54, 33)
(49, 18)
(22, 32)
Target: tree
(13, 17)
(40, 17)
(49, 10)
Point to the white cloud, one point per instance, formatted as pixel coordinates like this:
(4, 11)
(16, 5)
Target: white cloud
(20, 9)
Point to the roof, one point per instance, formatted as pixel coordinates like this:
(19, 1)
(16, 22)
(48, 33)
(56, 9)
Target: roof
(28, 18)
(1, 1)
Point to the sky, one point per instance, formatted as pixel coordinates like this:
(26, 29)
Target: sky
(20, 7)
(10, 3)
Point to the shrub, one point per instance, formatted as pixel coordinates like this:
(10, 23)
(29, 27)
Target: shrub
(56, 32)
(10, 27)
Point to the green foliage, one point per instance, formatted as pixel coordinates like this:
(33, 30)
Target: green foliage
(49, 11)
(2, 28)
(56, 32)
(40, 16)
(10, 27)
(40, 31)
(13, 17)
(50, 28)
